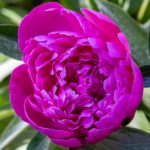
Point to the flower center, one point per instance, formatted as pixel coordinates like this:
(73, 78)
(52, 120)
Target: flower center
(80, 72)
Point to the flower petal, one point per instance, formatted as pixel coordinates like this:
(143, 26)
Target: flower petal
(115, 51)
(102, 22)
(96, 135)
(46, 18)
(42, 123)
(137, 90)
(20, 88)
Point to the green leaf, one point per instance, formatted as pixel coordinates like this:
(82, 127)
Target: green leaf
(22, 140)
(137, 37)
(146, 75)
(11, 15)
(4, 92)
(144, 13)
(6, 113)
(114, 1)
(9, 30)
(39, 142)
(12, 1)
(4, 123)
(140, 121)
(147, 13)
(8, 41)
(145, 70)
(42, 142)
(117, 2)
(134, 7)
(9, 47)
(145, 106)
(124, 139)
(3, 58)
(53, 146)
(90, 4)
(15, 127)
(4, 20)
(71, 4)
(7, 67)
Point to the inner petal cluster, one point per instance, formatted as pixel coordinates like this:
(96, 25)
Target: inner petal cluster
(75, 84)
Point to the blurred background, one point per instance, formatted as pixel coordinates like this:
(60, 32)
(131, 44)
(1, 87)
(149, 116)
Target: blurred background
(15, 134)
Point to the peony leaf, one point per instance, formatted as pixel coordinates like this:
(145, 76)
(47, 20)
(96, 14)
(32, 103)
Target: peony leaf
(146, 75)
(53, 146)
(145, 11)
(42, 142)
(71, 4)
(118, 2)
(9, 30)
(4, 93)
(137, 37)
(6, 113)
(8, 41)
(134, 7)
(145, 105)
(7, 67)
(16, 135)
(39, 142)
(11, 131)
(12, 1)
(115, 1)
(124, 139)
(140, 122)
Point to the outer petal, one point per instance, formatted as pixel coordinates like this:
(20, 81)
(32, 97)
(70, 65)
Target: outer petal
(137, 90)
(96, 135)
(102, 22)
(20, 88)
(42, 123)
(51, 17)
(120, 108)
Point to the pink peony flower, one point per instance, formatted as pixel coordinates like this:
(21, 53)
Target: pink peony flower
(78, 82)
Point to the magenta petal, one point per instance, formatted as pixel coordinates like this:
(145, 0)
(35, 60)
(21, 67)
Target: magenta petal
(96, 135)
(110, 83)
(87, 122)
(102, 22)
(115, 51)
(137, 90)
(79, 83)
(97, 43)
(28, 27)
(120, 108)
(73, 142)
(42, 124)
(122, 38)
(107, 122)
(49, 17)
(20, 88)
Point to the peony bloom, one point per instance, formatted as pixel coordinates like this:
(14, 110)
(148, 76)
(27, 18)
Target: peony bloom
(78, 82)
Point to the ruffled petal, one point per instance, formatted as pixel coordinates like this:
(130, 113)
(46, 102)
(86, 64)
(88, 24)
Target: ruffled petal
(42, 123)
(52, 17)
(96, 135)
(137, 91)
(20, 88)
(115, 51)
(102, 22)
(120, 108)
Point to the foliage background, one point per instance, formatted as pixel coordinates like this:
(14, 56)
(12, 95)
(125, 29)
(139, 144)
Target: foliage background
(133, 17)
